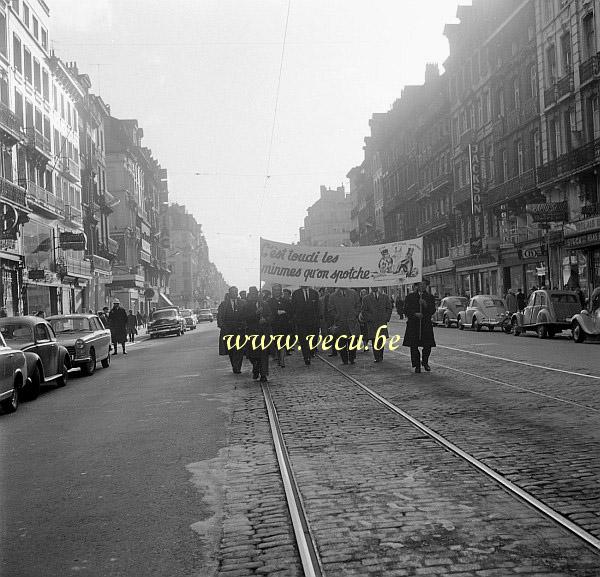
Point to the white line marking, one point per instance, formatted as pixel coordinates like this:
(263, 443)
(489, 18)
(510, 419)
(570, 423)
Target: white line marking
(521, 363)
(436, 364)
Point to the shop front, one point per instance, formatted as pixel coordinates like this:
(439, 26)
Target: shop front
(581, 255)
(522, 267)
(11, 278)
(478, 275)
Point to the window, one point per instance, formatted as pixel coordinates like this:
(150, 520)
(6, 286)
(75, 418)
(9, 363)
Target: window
(25, 15)
(62, 105)
(15, 6)
(537, 150)
(4, 98)
(567, 57)
(27, 65)
(55, 97)
(589, 36)
(3, 35)
(39, 125)
(56, 143)
(501, 108)
(46, 85)
(519, 151)
(504, 165)
(41, 333)
(19, 106)
(37, 76)
(550, 65)
(516, 94)
(17, 54)
(44, 39)
(28, 114)
(533, 80)
(36, 27)
(47, 131)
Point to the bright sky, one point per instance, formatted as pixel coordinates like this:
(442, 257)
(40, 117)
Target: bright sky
(201, 77)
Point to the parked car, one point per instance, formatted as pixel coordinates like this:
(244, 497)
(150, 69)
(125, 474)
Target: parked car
(166, 321)
(547, 312)
(205, 315)
(86, 339)
(447, 313)
(190, 318)
(47, 360)
(483, 311)
(586, 324)
(13, 377)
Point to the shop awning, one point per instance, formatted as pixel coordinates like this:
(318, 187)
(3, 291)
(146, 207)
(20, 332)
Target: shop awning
(164, 299)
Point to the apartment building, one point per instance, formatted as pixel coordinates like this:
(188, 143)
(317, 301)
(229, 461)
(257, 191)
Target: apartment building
(328, 222)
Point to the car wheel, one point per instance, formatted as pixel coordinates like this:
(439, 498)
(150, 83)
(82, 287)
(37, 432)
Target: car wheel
(62, 380)
(476, 325)
(11, 404)
(459, 324)
(541, 331)
(90, 368)
(447, 322)
(516, 331)
(578, 333)
(32, 390)
(106, 362)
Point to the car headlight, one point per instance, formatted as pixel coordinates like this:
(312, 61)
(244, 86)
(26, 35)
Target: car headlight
(79, 344)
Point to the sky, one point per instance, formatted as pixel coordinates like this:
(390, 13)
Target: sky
(202, 77)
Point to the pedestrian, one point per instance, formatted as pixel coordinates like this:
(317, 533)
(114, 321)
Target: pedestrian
(344, 306)
(511, 301)
(117, 319)
(376, 311)
(418, 307)
(257, 315)
(281, 314)
(400, 306)
(140, 319)
(131, 326)
(581, 297)
(363, 325)
(41, 314)
(243, 296)
(305, 314)
(3, 313)
(521, 300)
(231, 322)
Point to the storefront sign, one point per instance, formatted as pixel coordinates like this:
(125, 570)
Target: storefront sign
(72, 240)
(37, 274)
(588, 239)
(533, 252)
(579, 226)
(474, 161)
(548, 211)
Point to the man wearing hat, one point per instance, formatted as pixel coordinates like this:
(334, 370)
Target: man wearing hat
(117, 319)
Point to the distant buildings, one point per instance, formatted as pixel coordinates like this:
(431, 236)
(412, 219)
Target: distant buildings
(83, 204)
(328, 220)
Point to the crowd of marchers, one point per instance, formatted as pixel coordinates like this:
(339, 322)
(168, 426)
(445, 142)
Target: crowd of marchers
(342, 313)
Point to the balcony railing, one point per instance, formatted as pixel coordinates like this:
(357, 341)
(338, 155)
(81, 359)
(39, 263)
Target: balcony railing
(70, 167)
(460, 250)
(590, 68)
(10, 123)
(590, 210)
(101, 263)
(37, 141)
(438, 222)
(512, 188)
(13, 193)
(41, 198)
(566, 163)
(560, 88)
(72, 213)
(77, 267)
(462, 195)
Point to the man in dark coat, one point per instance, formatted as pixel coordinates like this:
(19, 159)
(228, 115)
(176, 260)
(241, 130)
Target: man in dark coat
(344, 306)
(131, 326)
(521, 300)
(258, 316)
(305, 313)
(281, 311)
(231, 322)
(418, 308)
(375, 312)
(117, 319)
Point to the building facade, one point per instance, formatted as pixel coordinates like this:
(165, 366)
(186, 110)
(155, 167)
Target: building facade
(328, 222)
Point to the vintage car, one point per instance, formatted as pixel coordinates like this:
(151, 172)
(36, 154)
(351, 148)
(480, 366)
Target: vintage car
(547, 312)
(47, 360)
(13, 377)
(483, 311)
(190, 318)
(586, 324)
(205, 315)
(166, 321)
(447, 313)
(86, 339)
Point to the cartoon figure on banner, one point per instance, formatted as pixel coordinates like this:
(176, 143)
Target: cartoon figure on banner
(386, 262)
(406, 264)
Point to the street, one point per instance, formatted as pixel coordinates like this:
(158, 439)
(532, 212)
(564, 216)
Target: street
(163, 464)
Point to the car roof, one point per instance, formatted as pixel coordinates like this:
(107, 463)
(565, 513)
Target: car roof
(71, 316)
(25, 319)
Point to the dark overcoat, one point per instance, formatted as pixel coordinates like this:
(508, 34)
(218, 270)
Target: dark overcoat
(230, 321)
(376, 312)
(344, 308)
(419, 326)
(306, 314)
(117, 319)
(281, 323)
(258, 316)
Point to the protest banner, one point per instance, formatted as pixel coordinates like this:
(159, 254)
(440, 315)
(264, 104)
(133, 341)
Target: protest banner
(391, 264)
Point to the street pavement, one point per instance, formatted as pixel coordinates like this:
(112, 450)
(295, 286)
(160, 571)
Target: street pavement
(163, 464)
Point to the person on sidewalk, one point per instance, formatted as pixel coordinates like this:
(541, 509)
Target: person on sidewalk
(418, 308)
(305, 314)
(131, 326)
(258, 317)
(344, 306)
(376, 311)
(117, 319)
(230, 321)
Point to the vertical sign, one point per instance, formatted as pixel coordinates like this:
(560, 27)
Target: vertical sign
(474, 161)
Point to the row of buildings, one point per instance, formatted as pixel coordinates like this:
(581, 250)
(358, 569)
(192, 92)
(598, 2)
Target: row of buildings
(84, 205)
(494, 162)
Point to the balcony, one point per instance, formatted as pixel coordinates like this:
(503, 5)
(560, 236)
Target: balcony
(72, 214)
(38, 145)
(559, 89)
(590, 68)
(11, 130)
(462, 195)
(522, 115)
(70, 169)
(43, 201)
(565, 164)
(590, 210)
(512, 188)
(460, 250)
(128, 277)
(76, 267)
(13, 193)
(101, 263)
(438, 222)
